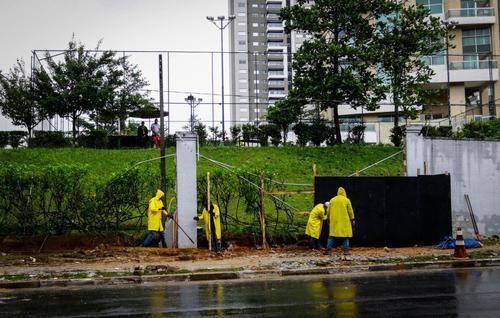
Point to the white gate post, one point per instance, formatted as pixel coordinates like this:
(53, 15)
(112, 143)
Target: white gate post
(186, 188)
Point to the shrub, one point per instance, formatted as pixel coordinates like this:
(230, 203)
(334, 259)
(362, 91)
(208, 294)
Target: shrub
(303, 133)
(482, 129)
(4, 139)
(49, 139)
(94, 139)
(397, 134)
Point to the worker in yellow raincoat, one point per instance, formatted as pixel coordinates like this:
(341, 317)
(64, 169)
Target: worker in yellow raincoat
(212, 217)
(341, 220)
(155, 224)
(315, 222)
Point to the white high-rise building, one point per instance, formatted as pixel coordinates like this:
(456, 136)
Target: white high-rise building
(260, 59)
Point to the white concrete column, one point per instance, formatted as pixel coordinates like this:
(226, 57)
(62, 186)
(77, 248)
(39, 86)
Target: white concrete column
(186, 188)
(414, 150)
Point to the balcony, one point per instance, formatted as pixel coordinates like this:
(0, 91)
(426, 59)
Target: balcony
(472, 16)
(275, 26)
(275, 46)
(275, 75)
(466, 71)
(273, 7)
(275, 64)
(271, 17)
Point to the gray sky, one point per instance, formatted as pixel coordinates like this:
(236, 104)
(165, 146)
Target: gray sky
(26, 25)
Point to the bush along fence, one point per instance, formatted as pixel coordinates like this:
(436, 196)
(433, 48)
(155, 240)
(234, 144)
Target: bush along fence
(62, 200)
(12, 138)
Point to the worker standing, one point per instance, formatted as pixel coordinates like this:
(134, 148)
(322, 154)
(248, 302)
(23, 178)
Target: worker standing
(155, 224)
(341, 217)
(211, 218)
(315, 222)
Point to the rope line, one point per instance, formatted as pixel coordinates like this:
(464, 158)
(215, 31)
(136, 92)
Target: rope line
(376, 163)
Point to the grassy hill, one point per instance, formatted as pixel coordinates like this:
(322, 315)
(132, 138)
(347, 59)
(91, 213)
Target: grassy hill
(292, 164)
(284, 164)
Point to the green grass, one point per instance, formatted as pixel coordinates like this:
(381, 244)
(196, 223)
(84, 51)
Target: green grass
(288, 164)
(291, 164)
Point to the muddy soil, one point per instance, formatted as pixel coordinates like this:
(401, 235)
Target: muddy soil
(63, 254)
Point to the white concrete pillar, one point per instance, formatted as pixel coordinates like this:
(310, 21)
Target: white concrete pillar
(414, 147)
(186, 188)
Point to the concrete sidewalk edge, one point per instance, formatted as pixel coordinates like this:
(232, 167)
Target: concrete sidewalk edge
(247, 274)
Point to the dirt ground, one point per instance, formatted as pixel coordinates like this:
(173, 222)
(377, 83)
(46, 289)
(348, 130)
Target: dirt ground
(57, 254)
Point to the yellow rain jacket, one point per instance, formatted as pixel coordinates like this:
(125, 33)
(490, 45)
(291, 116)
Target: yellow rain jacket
(315, 221)
(154, 212)
(341, 214)
(206, 218)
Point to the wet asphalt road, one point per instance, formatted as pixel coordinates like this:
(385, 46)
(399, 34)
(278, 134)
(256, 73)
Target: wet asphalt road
(450, 293)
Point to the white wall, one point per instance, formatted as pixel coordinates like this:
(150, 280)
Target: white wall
(474, 167)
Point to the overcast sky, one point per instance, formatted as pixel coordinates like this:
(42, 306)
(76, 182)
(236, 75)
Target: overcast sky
(169, 25)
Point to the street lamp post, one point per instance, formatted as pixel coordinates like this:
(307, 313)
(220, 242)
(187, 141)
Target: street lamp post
(224, 22)
(193, 102)
(449, 25)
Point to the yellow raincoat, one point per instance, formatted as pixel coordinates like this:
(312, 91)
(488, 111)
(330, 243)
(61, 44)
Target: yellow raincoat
(315, 221)
(206, 218)
(154, 212)
(341, 214)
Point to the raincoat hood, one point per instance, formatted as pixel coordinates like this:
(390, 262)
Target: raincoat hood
(159, 194)
(341, 191)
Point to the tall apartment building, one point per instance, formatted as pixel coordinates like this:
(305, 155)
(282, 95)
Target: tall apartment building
(467, 72)
(260, 60)
(471, 74)
(261, 71)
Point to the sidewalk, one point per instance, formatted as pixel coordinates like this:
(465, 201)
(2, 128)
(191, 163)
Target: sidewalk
(125, 265)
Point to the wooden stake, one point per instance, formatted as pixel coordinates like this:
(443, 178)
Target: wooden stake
(425, 168)
(209, 238)
(314, 170)
(262, 213)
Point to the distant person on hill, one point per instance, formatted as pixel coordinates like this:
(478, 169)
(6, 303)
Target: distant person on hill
(211, 218)
(315, 222)
(341, 217)
(155, 224)
(155, 134)
(142, 135)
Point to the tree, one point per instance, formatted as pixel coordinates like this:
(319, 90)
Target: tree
(17, 100)
(284, 113)
(405, 37)
(97, 84)
(334, 66)
(201, 131)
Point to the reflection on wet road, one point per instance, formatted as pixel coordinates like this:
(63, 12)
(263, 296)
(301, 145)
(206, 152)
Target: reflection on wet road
(464, 292)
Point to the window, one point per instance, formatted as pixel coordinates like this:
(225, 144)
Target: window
(255, 25)
(435, 6)
(255, 43)
(242, 80)
(242, 42)
(241, 4)
(255, 34)
(242, 62)
(241, 24)
(242, 33)
(241, 14)
(243, 71)
(243, 90)
(437, 59)
(255, 5)
(476, 40)
(243, 100)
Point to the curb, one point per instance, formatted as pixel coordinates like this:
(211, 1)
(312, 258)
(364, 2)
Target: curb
(248, 274)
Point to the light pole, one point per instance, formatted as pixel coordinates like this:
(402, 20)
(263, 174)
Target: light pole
(193, 102)
(449, 25)
(224, 22)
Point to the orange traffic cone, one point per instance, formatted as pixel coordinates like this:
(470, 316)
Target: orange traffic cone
(460, 245)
